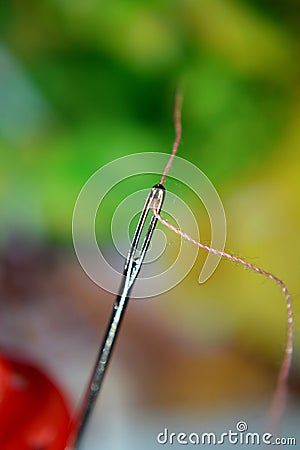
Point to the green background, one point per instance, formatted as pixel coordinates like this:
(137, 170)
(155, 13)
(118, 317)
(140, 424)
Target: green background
(82, 83)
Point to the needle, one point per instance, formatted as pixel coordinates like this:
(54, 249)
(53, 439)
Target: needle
(132, 268)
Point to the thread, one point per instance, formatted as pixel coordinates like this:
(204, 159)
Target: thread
(279, 398)
(178, 129)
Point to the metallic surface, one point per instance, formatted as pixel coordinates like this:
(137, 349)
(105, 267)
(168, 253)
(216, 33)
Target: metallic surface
(132, 268)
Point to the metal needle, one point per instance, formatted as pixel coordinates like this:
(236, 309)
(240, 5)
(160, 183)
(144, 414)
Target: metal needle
(132, 268)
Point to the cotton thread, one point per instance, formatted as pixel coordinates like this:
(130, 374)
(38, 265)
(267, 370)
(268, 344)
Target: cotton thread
(279, 399)
(178, 129)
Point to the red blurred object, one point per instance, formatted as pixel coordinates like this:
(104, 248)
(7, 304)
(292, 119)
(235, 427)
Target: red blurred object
(33, 413)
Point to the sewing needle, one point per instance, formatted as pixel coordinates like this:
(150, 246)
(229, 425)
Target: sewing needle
(132, 267)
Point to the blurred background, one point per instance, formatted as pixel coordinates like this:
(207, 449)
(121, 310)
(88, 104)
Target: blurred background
(82, 83)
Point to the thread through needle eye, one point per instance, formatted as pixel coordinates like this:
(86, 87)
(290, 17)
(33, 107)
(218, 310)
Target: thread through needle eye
(132, 267)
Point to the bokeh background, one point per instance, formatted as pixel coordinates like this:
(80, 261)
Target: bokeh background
(82, 83)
